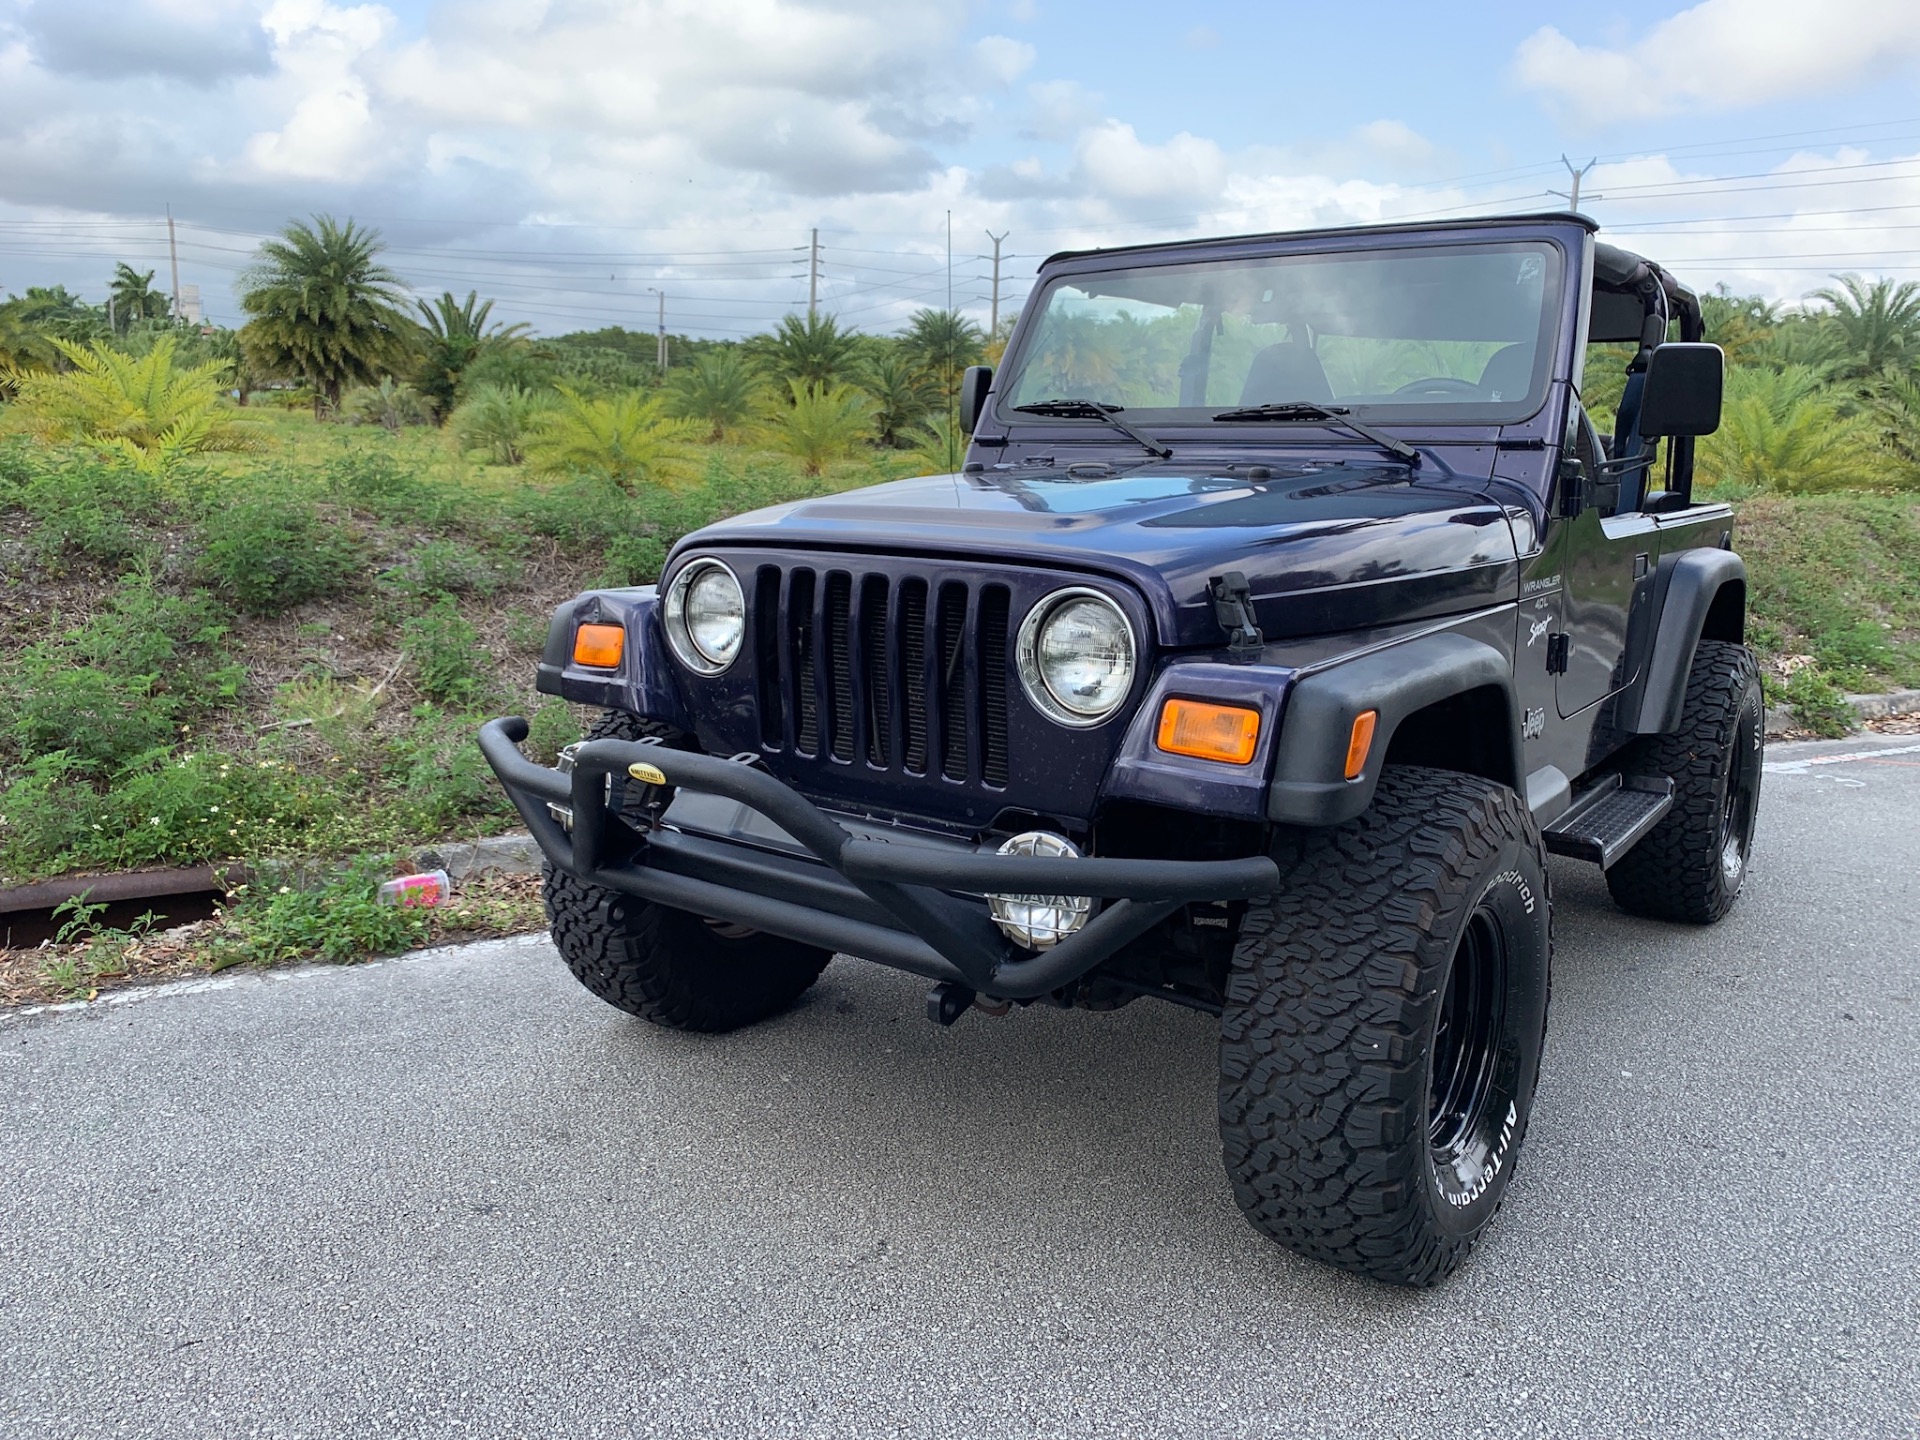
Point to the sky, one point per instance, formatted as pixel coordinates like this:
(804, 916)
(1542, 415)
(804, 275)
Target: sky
(576, 159)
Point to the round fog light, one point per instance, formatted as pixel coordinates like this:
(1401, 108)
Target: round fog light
(1039, 922)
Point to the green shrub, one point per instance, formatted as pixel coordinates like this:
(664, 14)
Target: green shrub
(120, 685)
(1815, 701)
(551, 728)
(277, 917)
(444, 650)
(39, 819)
(271, 551)
(446, 567)
(633, 560)
(82, 507)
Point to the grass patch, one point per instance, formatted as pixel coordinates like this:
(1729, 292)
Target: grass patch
(1834, 598)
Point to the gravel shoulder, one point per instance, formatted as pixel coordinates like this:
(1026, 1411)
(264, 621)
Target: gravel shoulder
(453, 1194)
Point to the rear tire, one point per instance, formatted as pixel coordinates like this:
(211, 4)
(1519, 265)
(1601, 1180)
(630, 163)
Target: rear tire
(664, 965)
(1690, 866)
(1383, 1024)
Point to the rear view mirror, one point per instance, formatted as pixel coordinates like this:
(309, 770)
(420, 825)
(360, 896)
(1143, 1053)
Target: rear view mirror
(973, 395)
(1682, 394)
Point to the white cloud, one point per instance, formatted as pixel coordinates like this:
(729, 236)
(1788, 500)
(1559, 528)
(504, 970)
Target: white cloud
(1721, 55)
(1003, 60)
(1396, 142)
(1201, 37)
(330, 133)
(1115, 162)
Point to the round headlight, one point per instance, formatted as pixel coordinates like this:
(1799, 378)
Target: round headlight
(1077, 656)
(706, 616)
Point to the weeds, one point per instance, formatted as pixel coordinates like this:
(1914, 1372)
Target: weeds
(444, 650)
(268, 551)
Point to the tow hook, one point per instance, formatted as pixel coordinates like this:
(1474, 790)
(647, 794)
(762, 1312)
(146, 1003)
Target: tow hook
(948, 1001)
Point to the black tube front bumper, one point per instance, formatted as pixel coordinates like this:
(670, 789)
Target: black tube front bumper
(861, 895)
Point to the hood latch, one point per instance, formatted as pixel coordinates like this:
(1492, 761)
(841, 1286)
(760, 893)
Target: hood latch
(1233, 608)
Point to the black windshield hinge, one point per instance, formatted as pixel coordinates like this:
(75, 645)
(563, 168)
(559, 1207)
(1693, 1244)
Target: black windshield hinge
(1233, 608)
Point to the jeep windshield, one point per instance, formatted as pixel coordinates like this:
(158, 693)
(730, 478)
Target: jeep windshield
(1447, 334)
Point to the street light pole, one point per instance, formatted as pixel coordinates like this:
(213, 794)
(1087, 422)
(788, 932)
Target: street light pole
(660, 347)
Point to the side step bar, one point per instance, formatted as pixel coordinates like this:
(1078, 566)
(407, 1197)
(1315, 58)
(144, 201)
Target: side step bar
(1608, 818)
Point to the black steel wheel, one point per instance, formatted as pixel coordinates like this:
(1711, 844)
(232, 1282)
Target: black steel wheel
(1381, 1037)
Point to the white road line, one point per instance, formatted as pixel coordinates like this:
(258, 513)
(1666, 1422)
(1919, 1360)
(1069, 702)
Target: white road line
(1800, 767)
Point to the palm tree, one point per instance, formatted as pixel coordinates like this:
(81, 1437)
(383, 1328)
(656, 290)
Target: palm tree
(1739, 324)
(942, 344)
(902, 397)
(717, 388)
(324, 309)
(623, 438)
(134, 298)
(813, 351)
(456, 334)
(1872, 324)
(824, 425)
(143, 410)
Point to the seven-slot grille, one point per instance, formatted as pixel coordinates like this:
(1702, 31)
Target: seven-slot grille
(903, 673)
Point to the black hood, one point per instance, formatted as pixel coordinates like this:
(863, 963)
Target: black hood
(1326, 546)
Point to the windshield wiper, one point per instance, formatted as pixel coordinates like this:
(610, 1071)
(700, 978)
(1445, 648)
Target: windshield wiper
(1093, 410)
(1307, 412)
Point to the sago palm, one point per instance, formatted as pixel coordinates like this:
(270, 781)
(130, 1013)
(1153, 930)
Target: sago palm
(455, 335)
(626, 438)
(497, 419)
(823, 426)
(144, 410)
(1786, 431)
(718, 389)
(1895, 417)
(325, 310)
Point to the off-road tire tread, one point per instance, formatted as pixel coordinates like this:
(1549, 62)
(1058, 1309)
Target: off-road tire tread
(1334, 984)
(1673, 873)
(662, 964)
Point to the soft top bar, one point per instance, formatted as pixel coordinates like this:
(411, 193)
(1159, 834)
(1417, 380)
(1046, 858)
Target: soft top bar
(1477, 222)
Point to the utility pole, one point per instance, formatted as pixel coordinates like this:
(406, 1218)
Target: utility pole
(1572, 196)
(813, 275)
(660, 349)
(993, 325)
(173, 253)
(953, 396)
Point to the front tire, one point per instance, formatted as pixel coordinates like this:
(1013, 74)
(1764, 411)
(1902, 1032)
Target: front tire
(668, 966)
(1381, 1037)
(1691, 865)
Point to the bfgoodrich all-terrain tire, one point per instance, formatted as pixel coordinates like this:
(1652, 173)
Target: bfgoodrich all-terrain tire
(1691, 865)
(1382, 1030)
(665, 965)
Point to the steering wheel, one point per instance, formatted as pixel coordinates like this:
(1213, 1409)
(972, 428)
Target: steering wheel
(1438, 385)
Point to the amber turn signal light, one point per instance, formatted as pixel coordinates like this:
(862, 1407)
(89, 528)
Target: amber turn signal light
(599, 646)
(1208, 732)
(1360, 742)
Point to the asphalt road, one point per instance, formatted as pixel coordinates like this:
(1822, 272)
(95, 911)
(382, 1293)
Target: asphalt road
(453, 1195)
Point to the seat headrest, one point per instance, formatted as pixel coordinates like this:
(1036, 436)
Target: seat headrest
(1509, 373)
(1283, 372)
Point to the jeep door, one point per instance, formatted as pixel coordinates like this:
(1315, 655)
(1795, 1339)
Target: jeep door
(1605, 553)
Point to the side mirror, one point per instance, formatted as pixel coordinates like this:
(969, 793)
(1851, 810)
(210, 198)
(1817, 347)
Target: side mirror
(1683, 387)
(973, 395)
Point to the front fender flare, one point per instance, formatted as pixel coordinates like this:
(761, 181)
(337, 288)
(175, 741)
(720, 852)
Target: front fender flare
(1309, 777)
(1691, 583)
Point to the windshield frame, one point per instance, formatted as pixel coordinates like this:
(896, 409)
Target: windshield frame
(1549, 340)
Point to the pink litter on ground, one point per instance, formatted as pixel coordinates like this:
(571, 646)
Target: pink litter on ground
(430, 888)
